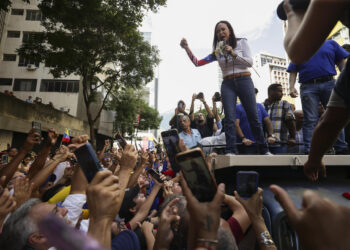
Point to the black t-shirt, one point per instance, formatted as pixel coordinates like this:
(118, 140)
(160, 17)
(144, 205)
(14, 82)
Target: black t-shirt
(205, 130)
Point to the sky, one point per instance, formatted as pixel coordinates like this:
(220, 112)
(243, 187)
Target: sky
(195, 20)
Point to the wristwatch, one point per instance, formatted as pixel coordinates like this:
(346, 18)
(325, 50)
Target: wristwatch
(273, 136)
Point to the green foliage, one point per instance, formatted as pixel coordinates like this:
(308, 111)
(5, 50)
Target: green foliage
(128, 105)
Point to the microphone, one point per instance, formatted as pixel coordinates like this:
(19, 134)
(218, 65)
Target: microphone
(224, 44)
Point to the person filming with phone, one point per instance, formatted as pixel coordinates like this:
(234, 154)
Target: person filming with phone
(179, 111)
(199, 121)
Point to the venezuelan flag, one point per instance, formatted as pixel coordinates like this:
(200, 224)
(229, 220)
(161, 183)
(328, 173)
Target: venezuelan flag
(66, 137)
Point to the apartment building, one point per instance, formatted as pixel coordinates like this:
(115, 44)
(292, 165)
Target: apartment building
(28, 78)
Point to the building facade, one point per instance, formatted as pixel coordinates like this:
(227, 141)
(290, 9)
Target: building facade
(271, 69)
(26, 78)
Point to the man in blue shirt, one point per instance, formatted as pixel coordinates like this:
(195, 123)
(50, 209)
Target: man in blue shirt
(191, 136)
(317, 83)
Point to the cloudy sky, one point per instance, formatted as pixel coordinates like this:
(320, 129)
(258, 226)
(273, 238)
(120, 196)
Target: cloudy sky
(195, 20)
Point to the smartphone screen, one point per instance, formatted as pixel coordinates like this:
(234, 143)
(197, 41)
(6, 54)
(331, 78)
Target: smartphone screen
(155, 175)
(5, 159)
(171, 144)
(88, 161)
(120, 140)
(247, 183)
(197, 175)
(37, 127)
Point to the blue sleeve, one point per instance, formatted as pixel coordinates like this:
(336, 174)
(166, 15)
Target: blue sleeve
(219, 124)
(263, 111)
(239, 111)
(291, 67)
(339, 52)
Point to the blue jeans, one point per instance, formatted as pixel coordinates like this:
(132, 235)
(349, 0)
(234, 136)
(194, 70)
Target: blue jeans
(311, 94)
(242, 87)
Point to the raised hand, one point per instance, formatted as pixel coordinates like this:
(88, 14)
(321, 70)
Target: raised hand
(204, 215)
(184, 43)
(129, 158)
(33, 139)
(168, 217)
(320, 224)
(51, 137)
(22, 190)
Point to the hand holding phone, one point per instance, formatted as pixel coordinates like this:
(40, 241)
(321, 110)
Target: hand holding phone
(155, 175)
(88, 161)
(37, 127)
(197, 175)
(171, 144)
(122, 142)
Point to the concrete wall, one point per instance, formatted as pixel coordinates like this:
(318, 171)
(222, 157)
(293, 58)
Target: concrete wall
(17, 115)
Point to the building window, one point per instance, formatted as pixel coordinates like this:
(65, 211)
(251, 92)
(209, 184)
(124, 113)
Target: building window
(23, 62)
(65, 86)
(13, 34)
(29, 36)
(5, 81)
(10, 57)
(25, 85)
(17, 12)
(33, 15)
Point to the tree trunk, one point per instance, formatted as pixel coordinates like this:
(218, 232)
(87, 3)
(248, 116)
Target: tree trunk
(88, 112)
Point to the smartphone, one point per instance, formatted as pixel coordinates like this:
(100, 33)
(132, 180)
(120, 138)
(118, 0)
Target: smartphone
(120, 139)
(155, 175)
(37, 127)
(88, 161)
(4, 159)
(197, 175)
(247, 183)
(171, 144)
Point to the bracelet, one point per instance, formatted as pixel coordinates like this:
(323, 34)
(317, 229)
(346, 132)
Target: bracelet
(265, 239)
(202, 246)
(206, 243)
(243, 137)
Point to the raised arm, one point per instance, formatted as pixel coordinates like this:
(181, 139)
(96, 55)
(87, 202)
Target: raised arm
(40, 161)
(210, 58)
(10, 169)
(308, 30)
(207, 108)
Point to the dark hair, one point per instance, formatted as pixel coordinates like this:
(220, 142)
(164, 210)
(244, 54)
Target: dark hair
(232, 39)
(181, 101)
(256, 90)
(273, 87)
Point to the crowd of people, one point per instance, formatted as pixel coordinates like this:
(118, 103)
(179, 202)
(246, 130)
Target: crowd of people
(136, 200)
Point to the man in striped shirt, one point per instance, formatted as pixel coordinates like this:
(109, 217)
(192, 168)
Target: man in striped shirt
(282, 118)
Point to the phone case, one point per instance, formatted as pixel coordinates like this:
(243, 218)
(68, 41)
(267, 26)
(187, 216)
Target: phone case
(247, 183)
(197, 175)
(88, 161)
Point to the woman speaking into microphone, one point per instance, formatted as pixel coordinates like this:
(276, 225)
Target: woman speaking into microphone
(234, 58)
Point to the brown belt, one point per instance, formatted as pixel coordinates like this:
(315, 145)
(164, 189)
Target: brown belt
(237, 75)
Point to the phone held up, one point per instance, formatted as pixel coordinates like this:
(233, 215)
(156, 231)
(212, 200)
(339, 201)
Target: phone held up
(88, 161)
(37, 127)
(122, 142)
(155, 175)
(171, 144)
(197, 175)
(247, 183)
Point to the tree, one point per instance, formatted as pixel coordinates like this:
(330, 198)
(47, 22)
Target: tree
(97, 40)
(128, 105)
(6, 4)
